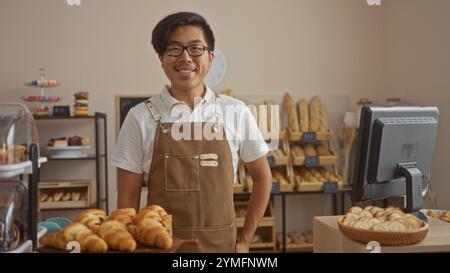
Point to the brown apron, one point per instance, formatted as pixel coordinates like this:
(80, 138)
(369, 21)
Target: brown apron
(193, 180)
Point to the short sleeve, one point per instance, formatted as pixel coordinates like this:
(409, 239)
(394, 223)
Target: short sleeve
(251, 142)
(128, 153)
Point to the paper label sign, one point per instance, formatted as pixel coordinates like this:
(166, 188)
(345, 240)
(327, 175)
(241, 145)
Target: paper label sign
(330, 187)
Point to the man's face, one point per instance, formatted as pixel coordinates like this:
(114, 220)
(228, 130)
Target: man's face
(186, 72)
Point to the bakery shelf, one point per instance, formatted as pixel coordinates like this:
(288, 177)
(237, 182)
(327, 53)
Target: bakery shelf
(309, 186)
(98, 155)
(267, 220)
(273, 136)
(277, 160)
(64, 205)
(298, 136)
(56, 118)
(305, 247)
(50, 188)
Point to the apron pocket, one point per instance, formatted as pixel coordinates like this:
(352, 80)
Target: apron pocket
(181, 172)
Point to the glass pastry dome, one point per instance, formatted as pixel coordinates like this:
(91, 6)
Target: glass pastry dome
(17, 131)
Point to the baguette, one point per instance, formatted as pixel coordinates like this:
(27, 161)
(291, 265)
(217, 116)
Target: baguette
(289, 106)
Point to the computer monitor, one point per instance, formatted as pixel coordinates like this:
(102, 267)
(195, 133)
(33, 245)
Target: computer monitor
(394, 154)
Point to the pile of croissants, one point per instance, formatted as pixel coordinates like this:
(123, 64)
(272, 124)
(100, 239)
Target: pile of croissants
(121, 231)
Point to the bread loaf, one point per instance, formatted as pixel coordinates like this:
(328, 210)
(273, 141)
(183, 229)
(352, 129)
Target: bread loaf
(289, 106)
(314, 114)
(323, 119)
(303, 115)
(309, 150)
(322, 150)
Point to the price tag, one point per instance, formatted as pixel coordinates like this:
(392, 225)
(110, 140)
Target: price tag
(271, 160)
(312, 161)
(309, 137)
(330, 187)
(276, 187)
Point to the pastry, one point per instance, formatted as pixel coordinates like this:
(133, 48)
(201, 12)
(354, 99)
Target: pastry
(88, 241)
(303, 115)
(42, 196)
(151, 227)
(356, 210)
(314, 114)
(322, 150)
(90, 220)
(323, 118)
(309, 150)
(289, 106)
(117, 236)
(378, 219)
(74, 141)
(66, 196)
(57, 196)
(298, 151)
(81, 104)
(124, 215)
(74, 196)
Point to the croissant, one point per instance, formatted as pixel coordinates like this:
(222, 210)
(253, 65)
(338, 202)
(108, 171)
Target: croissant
(89, 241)
(98, 212)
(116, 236)
(151, 232)
(75, 232)
(53, 240)
(161, 215)
(92, 221)
(125, 216)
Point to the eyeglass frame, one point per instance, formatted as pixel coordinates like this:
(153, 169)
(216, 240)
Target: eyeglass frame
(186, 47)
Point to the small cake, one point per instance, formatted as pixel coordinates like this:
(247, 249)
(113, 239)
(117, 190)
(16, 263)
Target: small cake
(74, 141)
(85, 141)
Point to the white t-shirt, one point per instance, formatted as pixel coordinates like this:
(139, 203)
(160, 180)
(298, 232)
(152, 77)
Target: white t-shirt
(134, 148)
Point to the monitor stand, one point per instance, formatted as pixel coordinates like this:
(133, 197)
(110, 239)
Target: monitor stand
(413, 178)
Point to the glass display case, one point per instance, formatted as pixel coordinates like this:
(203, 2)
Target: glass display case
(13, 215)
(17, 132)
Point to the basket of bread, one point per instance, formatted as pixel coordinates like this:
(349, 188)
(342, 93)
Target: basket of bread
(123, 231)
(388, 226)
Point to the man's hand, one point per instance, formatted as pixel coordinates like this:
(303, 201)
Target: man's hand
(242, 247)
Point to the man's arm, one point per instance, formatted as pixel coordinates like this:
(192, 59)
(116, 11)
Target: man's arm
(262, 184)
(129, 186)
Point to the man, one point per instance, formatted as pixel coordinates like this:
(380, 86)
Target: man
(192, 177)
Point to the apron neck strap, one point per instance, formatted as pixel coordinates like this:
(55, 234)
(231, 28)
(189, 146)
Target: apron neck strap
(155, 115)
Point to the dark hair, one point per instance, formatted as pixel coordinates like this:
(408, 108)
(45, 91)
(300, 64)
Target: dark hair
(163, 29)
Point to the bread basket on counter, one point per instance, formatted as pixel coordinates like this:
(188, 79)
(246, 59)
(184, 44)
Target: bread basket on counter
(386, 238)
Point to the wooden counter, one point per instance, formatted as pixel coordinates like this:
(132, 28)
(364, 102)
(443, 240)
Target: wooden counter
(328, 238)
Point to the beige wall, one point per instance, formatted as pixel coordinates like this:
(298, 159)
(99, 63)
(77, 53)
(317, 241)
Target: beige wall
(324, 47)
(417, 68)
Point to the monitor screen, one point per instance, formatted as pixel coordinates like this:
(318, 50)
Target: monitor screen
(394, 153)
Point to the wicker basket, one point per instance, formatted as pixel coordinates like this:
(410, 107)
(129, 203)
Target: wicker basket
(384, 237)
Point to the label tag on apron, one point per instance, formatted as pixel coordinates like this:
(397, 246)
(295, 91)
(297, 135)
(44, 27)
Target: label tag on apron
(209, 163)
(208, 156)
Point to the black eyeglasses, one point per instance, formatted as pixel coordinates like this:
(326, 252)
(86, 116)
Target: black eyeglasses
(193, 50)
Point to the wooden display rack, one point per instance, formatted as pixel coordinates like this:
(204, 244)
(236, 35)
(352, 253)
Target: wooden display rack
(266, 227)
(298, 136)
(84, 186)
(238, 186)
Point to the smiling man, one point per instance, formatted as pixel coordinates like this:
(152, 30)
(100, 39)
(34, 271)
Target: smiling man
(192, 178)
